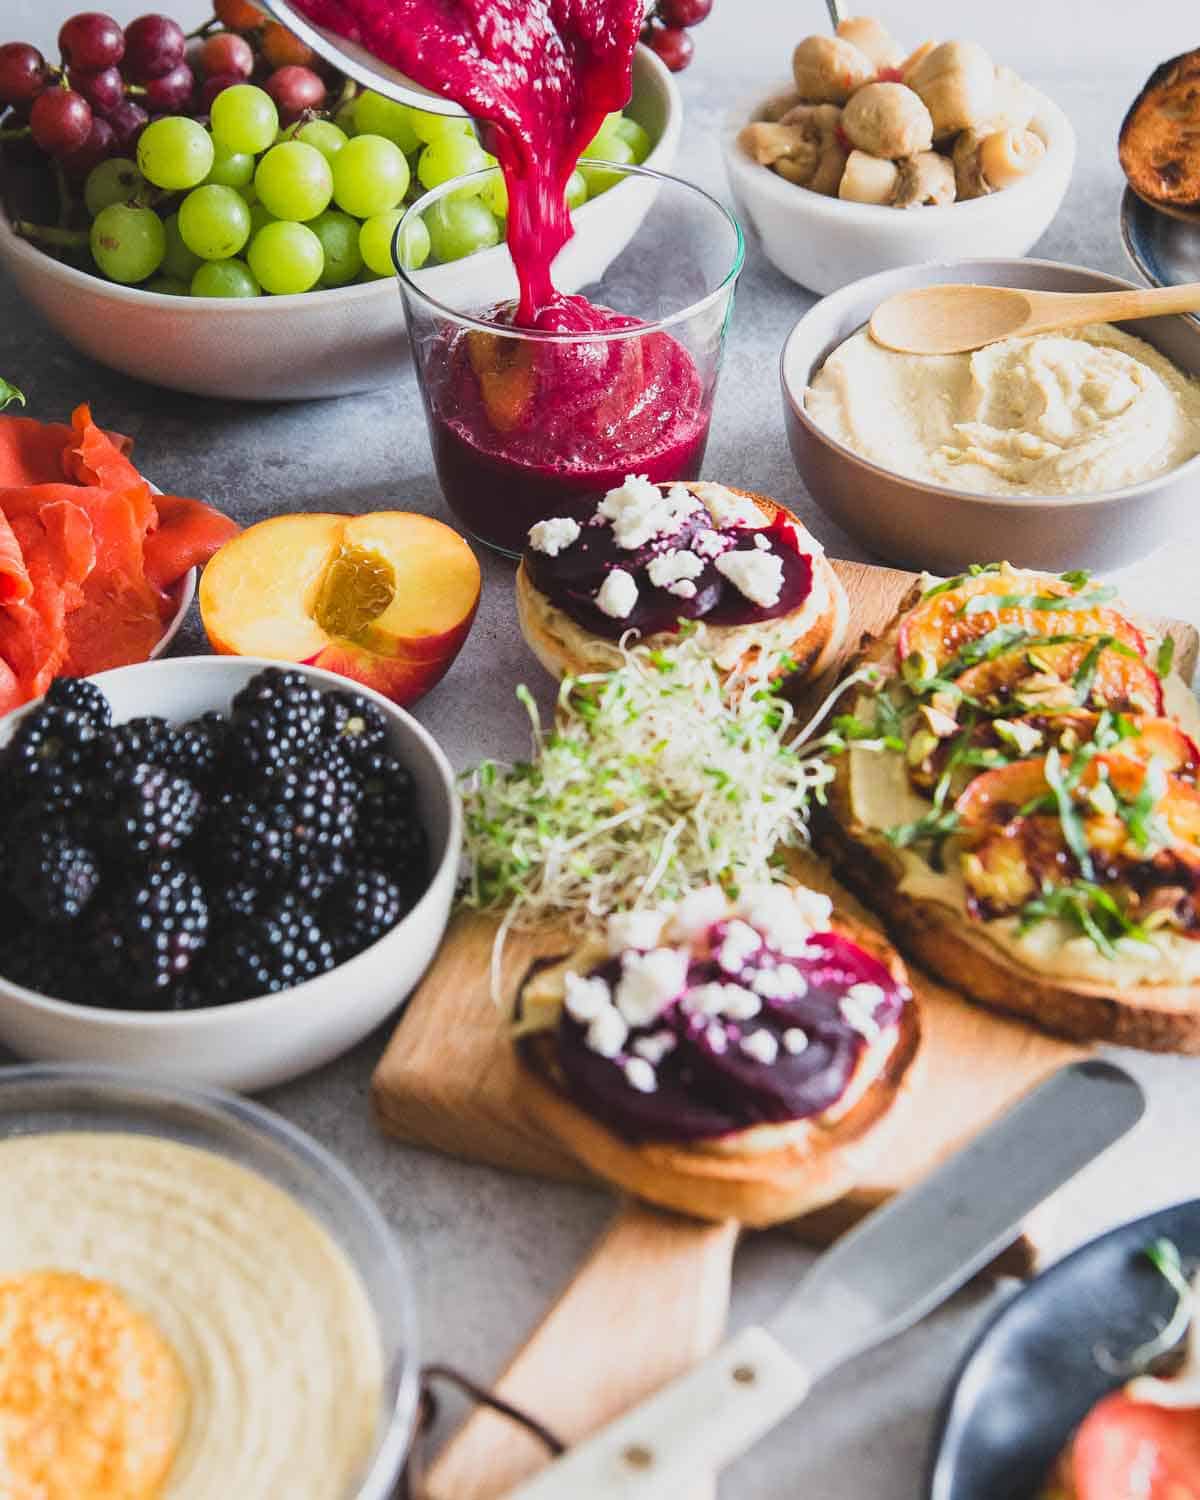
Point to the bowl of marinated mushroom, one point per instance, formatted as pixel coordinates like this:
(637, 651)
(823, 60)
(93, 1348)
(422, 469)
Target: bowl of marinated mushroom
(875, 157)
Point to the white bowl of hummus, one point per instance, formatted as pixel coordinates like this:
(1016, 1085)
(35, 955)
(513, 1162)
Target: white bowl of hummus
(255, 1043)
(215, 1306)
(1061, 450)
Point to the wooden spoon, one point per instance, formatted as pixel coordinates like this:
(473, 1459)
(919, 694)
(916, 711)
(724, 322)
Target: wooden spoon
(953, 319)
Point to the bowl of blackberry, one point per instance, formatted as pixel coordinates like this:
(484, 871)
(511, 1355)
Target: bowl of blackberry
(217, 868)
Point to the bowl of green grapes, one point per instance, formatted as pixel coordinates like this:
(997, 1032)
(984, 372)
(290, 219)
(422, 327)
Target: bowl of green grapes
(237, 242)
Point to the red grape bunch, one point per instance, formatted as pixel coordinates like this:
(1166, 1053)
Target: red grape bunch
(668, 29)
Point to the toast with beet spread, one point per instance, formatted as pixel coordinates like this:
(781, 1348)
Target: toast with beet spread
(656, 559)
(1018, 802)
(726, 1059)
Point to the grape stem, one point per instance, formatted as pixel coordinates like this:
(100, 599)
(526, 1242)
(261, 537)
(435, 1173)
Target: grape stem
(209, 26)
(16, 133)
(49, 234)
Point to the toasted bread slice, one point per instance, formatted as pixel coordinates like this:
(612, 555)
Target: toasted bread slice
(973, 956)
(565, 648)
(1159, 143)
(760, 1176)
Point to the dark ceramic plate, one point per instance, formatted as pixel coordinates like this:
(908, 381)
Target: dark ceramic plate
(1164, 251)
(1032, 1375)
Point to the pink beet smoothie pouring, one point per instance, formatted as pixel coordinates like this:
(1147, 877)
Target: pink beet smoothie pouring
(525, 428)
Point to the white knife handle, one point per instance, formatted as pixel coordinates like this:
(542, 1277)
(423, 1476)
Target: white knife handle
(693, 1426)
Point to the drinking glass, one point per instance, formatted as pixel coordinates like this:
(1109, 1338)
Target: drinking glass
(526, 425)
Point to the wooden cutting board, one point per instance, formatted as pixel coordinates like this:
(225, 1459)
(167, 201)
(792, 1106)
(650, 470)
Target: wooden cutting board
(448, 1080)
(651, 1298)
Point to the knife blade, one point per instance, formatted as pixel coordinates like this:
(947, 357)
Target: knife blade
(900, 1263)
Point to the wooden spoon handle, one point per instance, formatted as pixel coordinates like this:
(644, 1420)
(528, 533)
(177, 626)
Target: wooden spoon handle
(1071, 309)
(648, 1303)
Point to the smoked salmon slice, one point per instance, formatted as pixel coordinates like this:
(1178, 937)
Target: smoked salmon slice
(15, 583)
(188, 533)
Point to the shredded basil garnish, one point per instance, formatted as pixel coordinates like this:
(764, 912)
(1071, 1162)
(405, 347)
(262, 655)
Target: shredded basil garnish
(1165, 657)
(1089, 907)
(9, 394)
(980, 604)
(1068, 814)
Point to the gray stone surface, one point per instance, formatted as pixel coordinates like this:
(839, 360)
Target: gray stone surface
(488, 1250)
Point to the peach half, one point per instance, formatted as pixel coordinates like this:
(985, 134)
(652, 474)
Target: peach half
(386, 599)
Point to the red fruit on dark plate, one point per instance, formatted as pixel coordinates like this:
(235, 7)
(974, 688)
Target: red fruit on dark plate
(227, 52)
(103, 89)
(100, 144)
(60, 121)
(294, 90)
(684, 12)
(171, 93)
(153, 46)
(238, 15)
(128, 121)
(1125, 1447)
(672, 44)
(22, 73)
(91, 40)
(211, 87)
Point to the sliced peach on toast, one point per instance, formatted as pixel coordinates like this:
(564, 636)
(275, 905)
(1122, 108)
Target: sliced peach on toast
(1050, 677)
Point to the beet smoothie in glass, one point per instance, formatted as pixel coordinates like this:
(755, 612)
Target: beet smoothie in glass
(538, 407)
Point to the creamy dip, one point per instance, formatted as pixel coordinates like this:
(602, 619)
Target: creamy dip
(1071, 413)
(268, 1320)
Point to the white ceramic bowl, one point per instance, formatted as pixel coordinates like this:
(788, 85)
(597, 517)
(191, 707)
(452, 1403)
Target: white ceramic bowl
(922, 525)
(253, 1044)
(326, 343)
(823, 243)
(48, 1100)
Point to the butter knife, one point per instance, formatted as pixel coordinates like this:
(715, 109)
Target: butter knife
(897, 1266)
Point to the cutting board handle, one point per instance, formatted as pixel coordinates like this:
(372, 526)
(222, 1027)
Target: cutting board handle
(649, 1302)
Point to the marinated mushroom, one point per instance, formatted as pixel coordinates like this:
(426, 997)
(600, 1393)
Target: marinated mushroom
(827, 69)
(888, 119)
(926, 181)
(1013, 103)
(957, 81)
(778, 105)
(868, 179)
(804, 147)
(872, 39)
(987, 163)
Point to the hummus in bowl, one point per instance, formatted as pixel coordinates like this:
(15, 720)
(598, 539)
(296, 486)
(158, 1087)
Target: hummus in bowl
(198, 1332)
(1076, 412)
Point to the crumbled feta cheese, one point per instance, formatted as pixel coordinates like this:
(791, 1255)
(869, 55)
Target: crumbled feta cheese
(786, 915)
(716, 999)
(716, 1038)
(739, 943)
(617, 595)
(795, 1041)
(782, 983)
(709, 543)
(674, 571)
(635, 929)
(761, 1046)
(762, 543)
(607, 1032)
(586, 998)
(640, 1075)
(698, 910)
(858, 1007)
(554, 535)
(655, 1047)
(639, 511)
(649, 982)
(728, 509)
(757, 575)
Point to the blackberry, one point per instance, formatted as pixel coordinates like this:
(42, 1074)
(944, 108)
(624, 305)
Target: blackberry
(317, 805)
(48, 742)
(245, 841)
(356, 726)
(275, 718)
(197, 750)
(153, 810)
(281, 948)
(315, 878)
(300, 814)
(361, 908)
(80, 694)
(229, 902)
(136, 742)
(152, 929)
(51, 873)
(389, 831)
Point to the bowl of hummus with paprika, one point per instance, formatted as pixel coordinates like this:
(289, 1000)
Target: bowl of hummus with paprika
(196, 1301)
